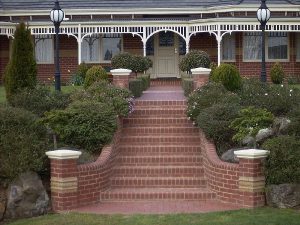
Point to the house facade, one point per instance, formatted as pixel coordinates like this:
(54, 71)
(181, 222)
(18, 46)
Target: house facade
(94, 31)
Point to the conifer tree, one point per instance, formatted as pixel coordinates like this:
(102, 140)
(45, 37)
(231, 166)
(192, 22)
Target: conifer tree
(21, 71)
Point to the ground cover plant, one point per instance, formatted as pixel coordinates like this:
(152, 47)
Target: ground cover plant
(259, 216)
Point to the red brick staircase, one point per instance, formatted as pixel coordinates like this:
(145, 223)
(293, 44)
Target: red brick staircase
(160, 156)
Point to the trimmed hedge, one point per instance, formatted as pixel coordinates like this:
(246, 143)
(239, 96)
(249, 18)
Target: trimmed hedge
(194, 59)
(145, 80)
(187, 86)
(277, 73)
(94, 74)
(136, 87)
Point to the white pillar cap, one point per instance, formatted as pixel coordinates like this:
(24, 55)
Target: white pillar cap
(201, 71)
(120, 72)
(63, 154)
(251, 154)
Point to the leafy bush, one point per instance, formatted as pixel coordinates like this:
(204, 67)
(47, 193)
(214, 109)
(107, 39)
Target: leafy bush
(94, 74)
(122, 60)
(294, 127)
(106, 93)
(277, 99)
(21, 70)
(249, 121)
(215, 122)
(213, 66)
(228, 75)
(86, 125)
(40, 100)
(208, 95)
(282, 165)
(277, 73)
(23, 142)
(136, 87)
(76, 80)
(187, 86)
(194, 59)
(82, 70)
(145, 80)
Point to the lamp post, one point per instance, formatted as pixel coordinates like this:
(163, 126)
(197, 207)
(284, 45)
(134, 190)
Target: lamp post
(57, 16)
(263, 16)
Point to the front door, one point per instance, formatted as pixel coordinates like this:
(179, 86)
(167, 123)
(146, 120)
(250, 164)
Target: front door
(166, 57)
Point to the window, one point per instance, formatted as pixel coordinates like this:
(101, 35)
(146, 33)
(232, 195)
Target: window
(150, 46)
(298, 46)
(228, 47)
(277, 45)
(252, 46)
(111, 45)
(90, 49)
(166, 39)
(182, 46)
(43, 49)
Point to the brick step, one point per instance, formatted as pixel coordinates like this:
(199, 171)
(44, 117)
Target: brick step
(154, 121)
(155, 182)
(163, 160)
(159, 149)
(161, 139)
(160, 111)
(160, 130)
(129, 194)
(152, 103)
(158, 171)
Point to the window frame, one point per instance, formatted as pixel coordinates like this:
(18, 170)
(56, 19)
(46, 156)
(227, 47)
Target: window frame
(52, 51)
(99, 50)
(101, 47)
(229, 60)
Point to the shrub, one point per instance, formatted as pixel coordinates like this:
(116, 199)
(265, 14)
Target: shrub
(277, 99)
(21, 70)
(194, 59)
(208, 95)
(136, 87)
(282, 165)
(249, 121)
(145, 80)
(122, 60)
(215, 122)
(86, 125)
(76, 80)
(294, 127)
(277, 73)
(106, 93)
(94, 74)
(82, 70)
(23, 142)
(213, 66)
(40, 100)
(187, 86)
(228, 75)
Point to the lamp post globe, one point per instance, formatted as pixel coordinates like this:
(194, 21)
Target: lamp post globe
(263, 16)
(57, 16)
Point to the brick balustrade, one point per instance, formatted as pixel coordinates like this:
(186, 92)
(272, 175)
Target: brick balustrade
(121, 77)
(200, 76)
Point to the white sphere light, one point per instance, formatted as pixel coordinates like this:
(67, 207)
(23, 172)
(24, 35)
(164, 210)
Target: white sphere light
(263, 13)
(57, 14)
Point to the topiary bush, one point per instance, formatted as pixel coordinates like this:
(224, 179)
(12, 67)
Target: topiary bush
(40, 100)
(187, 86)
(122, 60)
(23, 142)
(249, 121)
(21, 71)
(145, 80)
(215, 122)
(194, 59)
(104, 92)
(228, 75)
(208, 95)
(136, 87)
(277, 73)
(85, 125)
(94, 74)
(282, 165)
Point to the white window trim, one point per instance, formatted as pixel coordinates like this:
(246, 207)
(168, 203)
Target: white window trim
(52, 54)
(267, 52)
(229, 60)
(99, 52)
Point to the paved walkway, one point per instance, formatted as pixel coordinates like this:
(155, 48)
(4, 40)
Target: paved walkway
(162, 93)
(158, 207)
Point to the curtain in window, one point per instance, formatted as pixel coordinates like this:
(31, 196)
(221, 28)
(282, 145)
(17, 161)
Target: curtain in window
(90, 49)
(111, 45)
(252, 46)
(43, 49)
(228, 47)
(277, 45)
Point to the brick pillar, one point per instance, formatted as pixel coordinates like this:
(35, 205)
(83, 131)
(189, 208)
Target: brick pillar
(200, 76)
(64, 181)
(121, 77)
(251, 177)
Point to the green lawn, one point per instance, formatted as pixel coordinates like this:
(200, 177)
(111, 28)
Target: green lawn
(296, 86)
(65, 89)
(263, 216)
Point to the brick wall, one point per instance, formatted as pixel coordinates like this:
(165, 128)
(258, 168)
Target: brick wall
(4, 55)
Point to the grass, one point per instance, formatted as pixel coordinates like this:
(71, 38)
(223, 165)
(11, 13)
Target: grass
(65, 89)
(296, 86)
(262, 216)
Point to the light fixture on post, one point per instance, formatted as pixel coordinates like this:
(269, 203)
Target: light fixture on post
(263, 16)
(57, 16)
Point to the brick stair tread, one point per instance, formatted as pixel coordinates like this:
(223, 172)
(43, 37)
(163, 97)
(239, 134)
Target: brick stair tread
(157, 190)
(171, 129)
